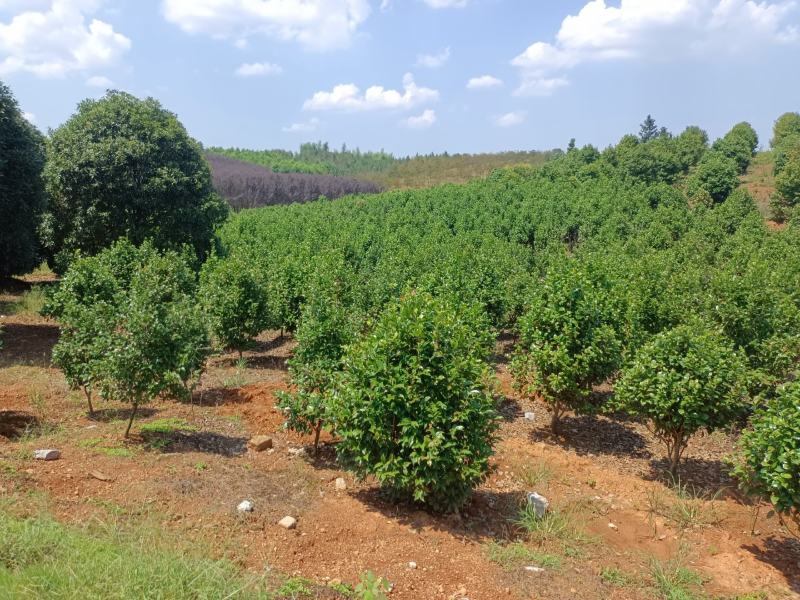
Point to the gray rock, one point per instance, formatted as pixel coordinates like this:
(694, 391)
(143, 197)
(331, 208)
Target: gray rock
(539, 503)
(47, 454)
(288, 522)
(530, 416)
(245, 506)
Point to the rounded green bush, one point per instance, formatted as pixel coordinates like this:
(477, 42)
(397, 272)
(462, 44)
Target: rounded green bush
(684, 380)
(716, 175)
(770, 452)
(412, 407)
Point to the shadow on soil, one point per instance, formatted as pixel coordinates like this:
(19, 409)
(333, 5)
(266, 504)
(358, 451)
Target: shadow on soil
(509, 409)
(218, 396)
(108, 415)
(14, 424)
(699, 475)
(28, 344)
(784, 555)
(488, 516)
(207, 442)
(596, 435)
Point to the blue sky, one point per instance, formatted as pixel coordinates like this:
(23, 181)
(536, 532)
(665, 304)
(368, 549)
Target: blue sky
(411, 75)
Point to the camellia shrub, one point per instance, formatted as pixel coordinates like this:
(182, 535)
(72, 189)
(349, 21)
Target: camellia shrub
(684, 380)
(412, 407)
(326, 327)
(125, 167)
(131, 328)
(717, 175)
(234, 301)
(568, 341)
(769, 462)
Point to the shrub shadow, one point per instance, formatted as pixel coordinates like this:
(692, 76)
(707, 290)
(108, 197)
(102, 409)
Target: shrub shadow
(783, 554)
(597, 435)
(217, 396)
(700, 475)
(207, 442)
(28, 344)
(14, 424)
(487, 516)
(278, 363)
(509, 409)
(107, 415)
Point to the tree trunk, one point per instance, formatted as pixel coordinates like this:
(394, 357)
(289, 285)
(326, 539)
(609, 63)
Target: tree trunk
(89, 400)
(555, 420)
(675, 450)
(130, 421)
(317, 431)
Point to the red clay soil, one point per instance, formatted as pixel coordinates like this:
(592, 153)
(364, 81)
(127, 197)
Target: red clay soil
(603, 474)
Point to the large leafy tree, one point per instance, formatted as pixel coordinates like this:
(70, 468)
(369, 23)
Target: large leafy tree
(125, 167)
(787, 126)
(684, 380)
(22, 196)
(739, 144)
(412, 408)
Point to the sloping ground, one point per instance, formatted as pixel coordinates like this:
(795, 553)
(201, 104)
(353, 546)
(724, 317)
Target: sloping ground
(617, 531)
(760, 181)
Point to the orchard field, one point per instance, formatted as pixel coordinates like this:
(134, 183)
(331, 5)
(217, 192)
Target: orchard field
(575, 376)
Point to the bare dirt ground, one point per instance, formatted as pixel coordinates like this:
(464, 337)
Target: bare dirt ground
(603, 476)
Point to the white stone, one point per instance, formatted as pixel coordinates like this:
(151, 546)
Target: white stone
(245, 506)
(47, 454)
(412, 565)
(288, 522)
(532, 569)
(529, 416)
(539, 503)
(612, 526)
(341, 484)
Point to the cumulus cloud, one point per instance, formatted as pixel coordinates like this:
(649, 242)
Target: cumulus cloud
(511, 119)
(316, 24)
(652, 28)
(423, 121)
(483, 82)
(433, 61)
(99, 81)
(258, 69)
(348, 97)
(56, 39)
(303, 127)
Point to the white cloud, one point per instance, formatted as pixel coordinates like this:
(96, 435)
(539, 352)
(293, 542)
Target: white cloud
(29, 117)
(303, 127)
(348, 97)
(55, 40)
(511, 119)
(423, 121)
(433, 61)
(483, 82)
(100, 82)
(446, 3)
(258, 69)
(657, 29)
(316, 24)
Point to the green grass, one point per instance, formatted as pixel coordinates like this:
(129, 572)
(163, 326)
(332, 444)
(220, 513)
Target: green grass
(516, 555)
(688, 507)
(30, 303)
(554, 526)
(538, 475)
(166, 426)
(674, 581)
(616, 577)
(40, 559)
(106, 447)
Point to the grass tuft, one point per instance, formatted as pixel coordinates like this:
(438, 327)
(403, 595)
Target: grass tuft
(516, 555)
